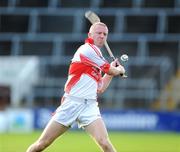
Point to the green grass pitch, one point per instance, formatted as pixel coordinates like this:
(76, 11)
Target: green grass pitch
(79, 141)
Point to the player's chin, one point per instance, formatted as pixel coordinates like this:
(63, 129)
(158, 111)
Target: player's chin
(101, 44)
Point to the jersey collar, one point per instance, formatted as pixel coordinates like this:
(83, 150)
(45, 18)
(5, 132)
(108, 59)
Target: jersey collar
(89, 40)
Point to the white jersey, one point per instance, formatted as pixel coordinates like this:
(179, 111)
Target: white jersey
(85, 71)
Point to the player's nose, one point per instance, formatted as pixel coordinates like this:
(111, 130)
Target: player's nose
(102, 35)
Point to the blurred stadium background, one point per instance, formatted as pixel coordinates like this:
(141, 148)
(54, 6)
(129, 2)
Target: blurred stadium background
(39, 37)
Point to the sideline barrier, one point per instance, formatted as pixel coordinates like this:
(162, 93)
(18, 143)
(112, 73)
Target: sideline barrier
(27, 120)
(142, 120)
(126, 120)
(16, 120)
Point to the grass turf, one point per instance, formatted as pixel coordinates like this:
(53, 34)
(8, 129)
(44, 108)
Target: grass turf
(79, 141)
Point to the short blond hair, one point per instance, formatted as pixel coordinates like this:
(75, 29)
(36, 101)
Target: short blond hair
(97, 23)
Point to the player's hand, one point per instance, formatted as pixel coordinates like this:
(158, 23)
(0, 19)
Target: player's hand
(115, 63)
(121, 69)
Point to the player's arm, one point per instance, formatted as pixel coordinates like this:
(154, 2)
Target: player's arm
(90, 56)
(100, 62)
(106, 79)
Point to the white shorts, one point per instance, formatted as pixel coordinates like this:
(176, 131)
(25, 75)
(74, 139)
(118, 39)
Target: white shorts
(73, 109)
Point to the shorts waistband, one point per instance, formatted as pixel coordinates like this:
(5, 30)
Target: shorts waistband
(77, 99)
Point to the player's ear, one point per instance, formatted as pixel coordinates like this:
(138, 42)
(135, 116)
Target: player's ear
(89, 34)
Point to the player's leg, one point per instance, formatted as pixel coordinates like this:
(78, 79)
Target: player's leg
(99, 132)
(50, 133)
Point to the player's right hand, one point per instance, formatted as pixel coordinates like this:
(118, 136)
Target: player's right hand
(121, 69)
(115, 63)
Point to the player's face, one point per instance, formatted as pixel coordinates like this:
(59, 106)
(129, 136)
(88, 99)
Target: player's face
(99, 35)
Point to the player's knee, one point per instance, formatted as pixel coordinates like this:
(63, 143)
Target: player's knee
(104, 143)
(41, 145)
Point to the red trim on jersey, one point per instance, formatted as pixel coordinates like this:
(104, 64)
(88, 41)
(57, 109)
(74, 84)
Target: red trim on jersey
(77, 69)
(105, 67)
(86, 60)
(90, 41)
(96, 50)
